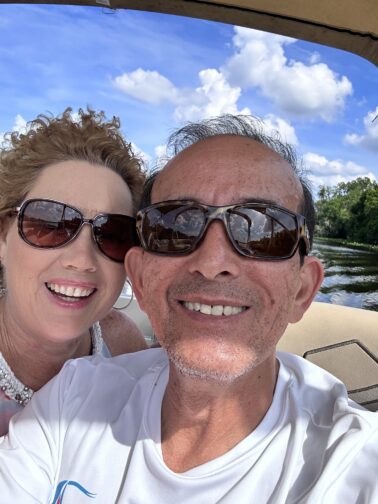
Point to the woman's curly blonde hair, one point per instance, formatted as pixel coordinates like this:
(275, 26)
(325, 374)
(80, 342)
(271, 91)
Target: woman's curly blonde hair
(85, 136)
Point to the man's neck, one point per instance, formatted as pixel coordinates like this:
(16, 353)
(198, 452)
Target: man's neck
(202, 419)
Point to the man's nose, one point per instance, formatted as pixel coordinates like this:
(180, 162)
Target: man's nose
(215, 256)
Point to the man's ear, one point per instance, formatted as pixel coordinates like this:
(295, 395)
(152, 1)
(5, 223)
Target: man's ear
(311, 277)
(134, 271)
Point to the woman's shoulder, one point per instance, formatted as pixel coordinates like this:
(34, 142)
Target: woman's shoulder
(121, 334)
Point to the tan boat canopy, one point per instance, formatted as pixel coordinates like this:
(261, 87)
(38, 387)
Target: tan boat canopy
(351, 25)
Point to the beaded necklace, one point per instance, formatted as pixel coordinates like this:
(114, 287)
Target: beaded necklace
(16, 390)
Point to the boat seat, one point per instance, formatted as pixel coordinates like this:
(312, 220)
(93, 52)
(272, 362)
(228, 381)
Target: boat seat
(342, 340)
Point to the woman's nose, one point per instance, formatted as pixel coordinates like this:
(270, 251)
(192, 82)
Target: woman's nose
(81, 253)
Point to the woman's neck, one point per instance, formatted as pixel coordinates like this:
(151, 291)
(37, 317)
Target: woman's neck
(35, 361)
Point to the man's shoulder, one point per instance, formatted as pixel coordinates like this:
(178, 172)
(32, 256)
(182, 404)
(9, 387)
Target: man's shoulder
(318, 392)
(305, 372)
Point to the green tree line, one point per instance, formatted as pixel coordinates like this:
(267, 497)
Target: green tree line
(349, 211)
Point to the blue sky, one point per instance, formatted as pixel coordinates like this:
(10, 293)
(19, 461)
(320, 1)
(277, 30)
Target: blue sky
(157, 71)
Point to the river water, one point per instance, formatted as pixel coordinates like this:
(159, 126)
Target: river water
(351, 276)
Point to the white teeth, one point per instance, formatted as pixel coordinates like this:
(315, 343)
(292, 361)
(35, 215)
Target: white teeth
(216, 310)
(206, 309)
(227, 310)
(70, 291)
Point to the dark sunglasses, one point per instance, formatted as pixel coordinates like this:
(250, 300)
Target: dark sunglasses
(258, 230)
(49, 224)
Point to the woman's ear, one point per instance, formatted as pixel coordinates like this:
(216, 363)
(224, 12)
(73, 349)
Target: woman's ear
(134, 271)
(4, 226)
(311, 277)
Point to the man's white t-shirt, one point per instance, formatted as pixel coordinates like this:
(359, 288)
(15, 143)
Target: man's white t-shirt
(93, 435)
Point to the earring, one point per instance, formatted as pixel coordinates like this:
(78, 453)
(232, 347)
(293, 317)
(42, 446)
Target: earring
(3, 291)
(129, 302)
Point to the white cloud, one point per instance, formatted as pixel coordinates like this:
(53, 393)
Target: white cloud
(257, 55)
(314, 58)
(160, 151)
(213, 97)
(146, 85)
(370, 139)
(146, 158)
(75, 117)
(331, 172)
(161, 156)
(19, 125)
(297, 88)
(286, 131)
(259, 61)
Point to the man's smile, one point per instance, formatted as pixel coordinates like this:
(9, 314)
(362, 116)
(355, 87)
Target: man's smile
(217, 309)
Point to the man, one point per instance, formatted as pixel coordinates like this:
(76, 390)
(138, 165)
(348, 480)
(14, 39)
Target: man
(215, 415)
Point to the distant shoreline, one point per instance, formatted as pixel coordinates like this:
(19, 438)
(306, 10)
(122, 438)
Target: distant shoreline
(346, 243)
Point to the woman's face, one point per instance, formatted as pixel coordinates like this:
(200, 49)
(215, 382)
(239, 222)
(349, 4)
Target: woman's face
(57, 294)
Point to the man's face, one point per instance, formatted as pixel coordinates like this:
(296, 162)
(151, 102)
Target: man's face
(261, 296)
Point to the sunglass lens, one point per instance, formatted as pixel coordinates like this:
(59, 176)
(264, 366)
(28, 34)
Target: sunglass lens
(263, 232)
(172, 229)
(115, 235)
(48, 224)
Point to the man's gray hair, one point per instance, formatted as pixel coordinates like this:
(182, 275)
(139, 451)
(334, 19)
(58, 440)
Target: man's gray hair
(238, 125)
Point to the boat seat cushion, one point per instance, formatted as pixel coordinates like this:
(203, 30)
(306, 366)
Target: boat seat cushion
(342, 340)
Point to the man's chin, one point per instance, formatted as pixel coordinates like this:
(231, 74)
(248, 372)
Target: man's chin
(212, 369)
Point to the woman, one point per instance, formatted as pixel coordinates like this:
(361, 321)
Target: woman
(69, 187)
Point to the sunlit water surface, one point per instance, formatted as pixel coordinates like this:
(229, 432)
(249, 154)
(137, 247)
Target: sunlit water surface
(351, 276)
